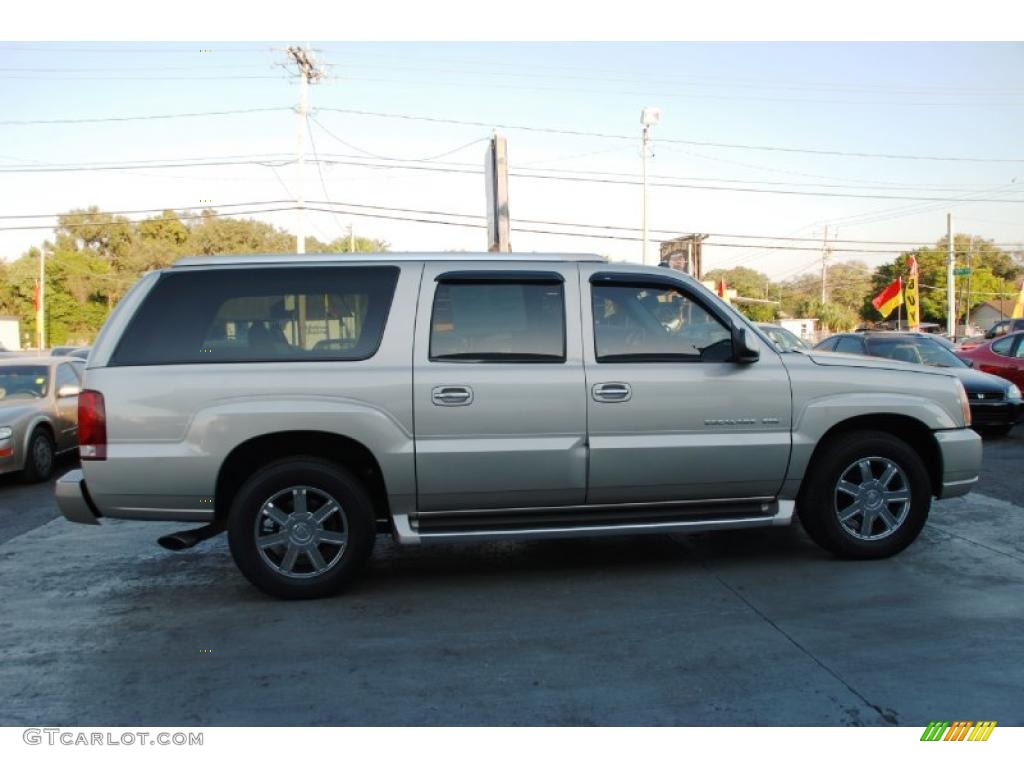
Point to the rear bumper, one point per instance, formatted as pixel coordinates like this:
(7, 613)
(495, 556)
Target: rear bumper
(73, 499)
(960, 451)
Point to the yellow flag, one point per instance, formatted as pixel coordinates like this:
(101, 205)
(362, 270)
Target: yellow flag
(1018, 308)
(910, 298)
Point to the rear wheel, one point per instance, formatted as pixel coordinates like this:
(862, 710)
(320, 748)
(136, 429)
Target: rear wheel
(39, 457)
(301, 528)
(867, 496)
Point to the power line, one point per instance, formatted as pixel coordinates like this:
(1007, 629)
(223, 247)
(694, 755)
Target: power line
(607, 177)
(205, 214)
(141, 210)
(126, 118)
(755, 147)
(581, 225)
(399, 159)
(715, 96)
(649, 75)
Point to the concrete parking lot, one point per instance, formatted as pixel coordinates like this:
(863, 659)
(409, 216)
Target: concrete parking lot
(101, 627)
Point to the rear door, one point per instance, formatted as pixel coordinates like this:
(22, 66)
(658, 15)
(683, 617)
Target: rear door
(670, 416)
(498, 387)
(66, 407)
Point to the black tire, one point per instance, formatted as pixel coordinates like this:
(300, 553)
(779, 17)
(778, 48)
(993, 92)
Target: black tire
(268, 567)
(39, 457)
(822, 503)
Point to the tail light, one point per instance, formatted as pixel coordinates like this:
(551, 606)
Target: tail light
(92, 426)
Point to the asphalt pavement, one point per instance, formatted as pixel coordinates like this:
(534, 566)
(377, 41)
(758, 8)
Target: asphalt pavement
(99, 626)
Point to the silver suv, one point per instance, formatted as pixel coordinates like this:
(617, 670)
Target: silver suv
(307, 403)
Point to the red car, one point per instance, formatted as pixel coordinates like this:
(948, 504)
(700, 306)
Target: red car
(1003, 357)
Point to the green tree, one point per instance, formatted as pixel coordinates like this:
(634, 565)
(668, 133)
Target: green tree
(994, 270)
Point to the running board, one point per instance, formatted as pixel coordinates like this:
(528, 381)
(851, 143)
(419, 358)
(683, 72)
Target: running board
(495, 525)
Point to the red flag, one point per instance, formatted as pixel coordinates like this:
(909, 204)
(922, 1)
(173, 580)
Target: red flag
(890, 298)
(721, 288)
(35, 296)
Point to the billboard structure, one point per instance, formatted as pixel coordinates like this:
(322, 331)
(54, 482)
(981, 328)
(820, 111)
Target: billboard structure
(684, 254)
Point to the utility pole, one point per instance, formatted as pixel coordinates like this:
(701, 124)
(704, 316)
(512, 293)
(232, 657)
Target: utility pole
(351, 240)
(649, 117)
(41, 313)
(970, 267)
(950, 296)
(824, 267)
(499, 224)
(309, 72)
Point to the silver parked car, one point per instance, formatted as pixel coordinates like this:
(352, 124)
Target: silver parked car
(306, 403)
(38, 413)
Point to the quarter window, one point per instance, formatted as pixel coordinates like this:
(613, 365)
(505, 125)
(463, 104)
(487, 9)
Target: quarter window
(635, 323)
(1003, 346)
(500, 321)
(260, 315)
(66, 376)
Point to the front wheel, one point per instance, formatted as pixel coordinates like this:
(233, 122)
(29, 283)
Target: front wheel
(867, 496)
(301, 527)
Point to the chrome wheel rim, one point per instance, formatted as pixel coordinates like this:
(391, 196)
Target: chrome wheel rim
(42, 456)
(301, 532)
(872, 498)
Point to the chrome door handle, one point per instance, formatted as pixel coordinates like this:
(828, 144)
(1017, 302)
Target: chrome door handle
(612, 392)
(449, 395)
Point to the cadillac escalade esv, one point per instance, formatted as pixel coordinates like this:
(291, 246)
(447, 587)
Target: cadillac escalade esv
(305, 404)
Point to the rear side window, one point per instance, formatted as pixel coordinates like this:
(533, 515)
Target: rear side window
(850, 344)
(828, 345)
(500, 321)
(260, 315)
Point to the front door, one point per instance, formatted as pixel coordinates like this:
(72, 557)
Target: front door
(498, 387)
(671, 416)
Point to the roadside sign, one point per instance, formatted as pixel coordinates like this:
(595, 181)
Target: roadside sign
(962, 271)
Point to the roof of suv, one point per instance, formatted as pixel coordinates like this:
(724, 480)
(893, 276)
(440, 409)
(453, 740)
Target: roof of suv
(291, 258)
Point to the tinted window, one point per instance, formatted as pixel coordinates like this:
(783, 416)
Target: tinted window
(850, 344)
(913, 350)
(501, 321)
(66, 376)
(648, 324)
(1003, 346)
(252, 315)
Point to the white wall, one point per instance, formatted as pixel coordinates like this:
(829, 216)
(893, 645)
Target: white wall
(10, 335)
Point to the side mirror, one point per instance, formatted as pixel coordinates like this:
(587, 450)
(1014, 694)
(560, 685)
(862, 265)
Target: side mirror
(990, 334)
(69, 390)
(742, 350)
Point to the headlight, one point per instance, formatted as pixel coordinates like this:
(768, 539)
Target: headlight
(1012, 393)
(965, 404)
(6, 432)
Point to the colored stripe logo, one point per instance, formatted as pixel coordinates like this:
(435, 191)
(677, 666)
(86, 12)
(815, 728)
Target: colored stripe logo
(961, 730)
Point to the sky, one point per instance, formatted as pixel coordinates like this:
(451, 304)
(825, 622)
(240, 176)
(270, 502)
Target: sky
(926, 100)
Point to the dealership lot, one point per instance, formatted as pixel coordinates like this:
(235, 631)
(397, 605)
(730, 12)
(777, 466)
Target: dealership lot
(100, 626)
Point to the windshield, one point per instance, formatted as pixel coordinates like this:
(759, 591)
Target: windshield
(912, 350)
(23, 382)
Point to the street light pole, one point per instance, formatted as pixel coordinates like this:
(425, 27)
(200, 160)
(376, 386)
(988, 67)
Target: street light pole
(649, 116)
